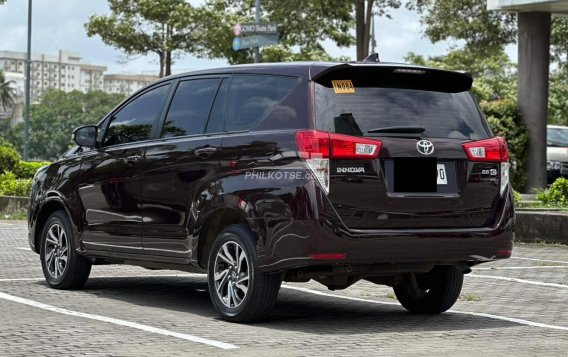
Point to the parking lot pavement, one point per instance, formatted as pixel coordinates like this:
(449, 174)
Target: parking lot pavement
(513, 307)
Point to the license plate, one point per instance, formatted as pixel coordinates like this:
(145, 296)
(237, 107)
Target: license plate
(442, 178)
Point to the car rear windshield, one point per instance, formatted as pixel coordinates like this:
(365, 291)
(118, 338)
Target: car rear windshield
(354, 102)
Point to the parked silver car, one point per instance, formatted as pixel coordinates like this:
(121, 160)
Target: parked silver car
(557, 152)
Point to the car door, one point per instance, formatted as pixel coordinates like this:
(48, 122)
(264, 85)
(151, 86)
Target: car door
(110, 188)
(181, 163)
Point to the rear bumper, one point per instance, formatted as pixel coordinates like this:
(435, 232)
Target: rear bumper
(290, 244)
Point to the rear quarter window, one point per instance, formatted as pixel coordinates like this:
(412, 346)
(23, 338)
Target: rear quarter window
(252, 97)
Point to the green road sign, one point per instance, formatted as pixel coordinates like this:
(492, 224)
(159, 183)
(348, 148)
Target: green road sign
(241, 43)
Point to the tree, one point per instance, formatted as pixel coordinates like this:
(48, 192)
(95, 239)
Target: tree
(494, 74)
(302, 24)
(486, 33)
(140, 27)
(281, 53)
(482, 30)
(364, 11)
(54, 118)
(7, 93)
(557, 94)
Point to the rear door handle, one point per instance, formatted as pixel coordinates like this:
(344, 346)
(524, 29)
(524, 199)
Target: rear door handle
(131, 160)
(205, 152)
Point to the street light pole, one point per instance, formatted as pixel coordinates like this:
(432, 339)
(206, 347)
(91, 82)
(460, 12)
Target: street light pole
(257, 20)
(28, 81)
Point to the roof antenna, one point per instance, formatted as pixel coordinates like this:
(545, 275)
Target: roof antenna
(372, 58)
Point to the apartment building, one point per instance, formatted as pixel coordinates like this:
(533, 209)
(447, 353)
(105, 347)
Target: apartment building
(64, 71)
(126, 84)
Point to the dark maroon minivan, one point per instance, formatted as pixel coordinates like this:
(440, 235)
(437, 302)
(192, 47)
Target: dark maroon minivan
(259, 174)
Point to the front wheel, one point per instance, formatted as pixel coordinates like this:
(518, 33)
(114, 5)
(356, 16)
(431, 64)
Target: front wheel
(62, 267)
(238, 289)
(431, 293)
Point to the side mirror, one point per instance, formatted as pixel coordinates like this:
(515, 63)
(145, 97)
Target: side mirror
(85, 135)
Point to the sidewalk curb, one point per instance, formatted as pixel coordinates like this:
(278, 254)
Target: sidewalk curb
(538, 226)
(13, 204)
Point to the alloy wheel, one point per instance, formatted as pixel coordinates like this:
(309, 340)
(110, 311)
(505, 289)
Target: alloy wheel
(231, 274)
(56, 251)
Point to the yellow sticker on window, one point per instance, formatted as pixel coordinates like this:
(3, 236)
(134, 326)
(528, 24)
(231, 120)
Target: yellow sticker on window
(343, 86)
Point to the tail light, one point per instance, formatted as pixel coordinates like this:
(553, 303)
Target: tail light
(321, 144)
(353, 147)
(317, 147)
(491, 150)
(313, 144)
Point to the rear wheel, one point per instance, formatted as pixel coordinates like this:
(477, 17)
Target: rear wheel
(431, 293)
(62, 267)
(238, 289)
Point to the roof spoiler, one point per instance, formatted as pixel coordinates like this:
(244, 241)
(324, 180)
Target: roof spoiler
(437, 79)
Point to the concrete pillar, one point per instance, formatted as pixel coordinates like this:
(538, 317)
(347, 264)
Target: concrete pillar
(534, 60)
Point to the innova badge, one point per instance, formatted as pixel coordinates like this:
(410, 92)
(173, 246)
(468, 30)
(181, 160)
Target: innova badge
(425, 147)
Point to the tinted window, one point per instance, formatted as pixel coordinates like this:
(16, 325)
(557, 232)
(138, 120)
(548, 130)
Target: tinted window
(135, 120)
(557, 137)
(217, 116)
(190, 107)
(254, 96)
(392, 103)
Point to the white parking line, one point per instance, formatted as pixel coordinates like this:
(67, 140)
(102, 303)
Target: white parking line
(478, 314)
(134, 325)
(23, 248)
(117, 277)
(521, 268)
(541, 260)
(523, 281)
(21, 279)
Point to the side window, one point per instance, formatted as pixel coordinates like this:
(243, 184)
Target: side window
(217, 116)
(253, 97)
(135, 120)
(190, 107)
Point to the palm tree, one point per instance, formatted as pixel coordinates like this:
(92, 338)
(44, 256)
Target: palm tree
(7, 93)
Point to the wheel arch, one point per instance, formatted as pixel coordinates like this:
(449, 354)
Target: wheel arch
(214, 223)
(52, 204)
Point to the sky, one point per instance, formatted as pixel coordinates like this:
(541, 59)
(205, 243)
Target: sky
(59, 24)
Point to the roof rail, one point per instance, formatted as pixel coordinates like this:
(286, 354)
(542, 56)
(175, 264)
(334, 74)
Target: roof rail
(372, 58)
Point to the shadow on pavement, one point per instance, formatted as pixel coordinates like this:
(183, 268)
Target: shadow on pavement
(295, 311)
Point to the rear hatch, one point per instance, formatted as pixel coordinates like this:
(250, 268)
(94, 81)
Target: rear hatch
(423, 155)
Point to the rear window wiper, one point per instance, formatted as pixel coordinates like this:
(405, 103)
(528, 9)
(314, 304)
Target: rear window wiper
(409, 129)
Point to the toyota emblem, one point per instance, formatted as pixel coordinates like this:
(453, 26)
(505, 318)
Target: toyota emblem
(425, 147)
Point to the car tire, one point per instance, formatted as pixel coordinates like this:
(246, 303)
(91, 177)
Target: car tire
(62, 267)
(436, 291)
(239, 290)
